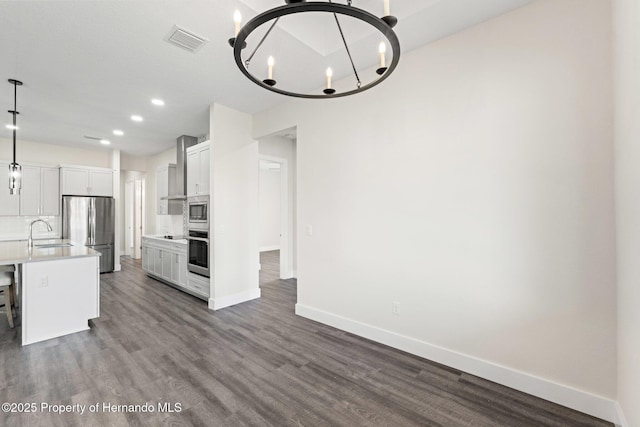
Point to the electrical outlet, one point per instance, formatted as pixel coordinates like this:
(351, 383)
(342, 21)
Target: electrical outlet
(309, 230)
(395, 308)
(44, 281)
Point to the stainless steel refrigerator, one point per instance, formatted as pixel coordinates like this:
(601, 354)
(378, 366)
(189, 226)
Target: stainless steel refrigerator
(91, 221)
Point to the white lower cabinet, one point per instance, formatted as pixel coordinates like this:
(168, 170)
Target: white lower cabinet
(199, 285)
(179, 269)
(166, 260)
(145, 258)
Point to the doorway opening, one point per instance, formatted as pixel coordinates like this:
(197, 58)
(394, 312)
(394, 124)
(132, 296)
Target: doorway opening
(134, 188)
(278, 240)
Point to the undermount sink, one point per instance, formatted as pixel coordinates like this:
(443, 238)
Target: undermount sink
(53, 245)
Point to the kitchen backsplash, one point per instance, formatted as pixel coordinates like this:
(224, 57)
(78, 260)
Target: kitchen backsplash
(169, 224)
(17, 227)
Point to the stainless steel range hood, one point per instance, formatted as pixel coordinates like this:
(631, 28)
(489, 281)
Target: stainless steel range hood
(183, 143)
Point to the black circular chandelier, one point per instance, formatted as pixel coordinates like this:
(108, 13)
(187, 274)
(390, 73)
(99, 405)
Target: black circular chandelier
(384, 25)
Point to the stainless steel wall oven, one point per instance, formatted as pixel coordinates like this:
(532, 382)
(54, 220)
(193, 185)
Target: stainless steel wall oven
(198, 252)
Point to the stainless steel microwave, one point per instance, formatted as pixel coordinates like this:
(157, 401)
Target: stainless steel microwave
(199, 213)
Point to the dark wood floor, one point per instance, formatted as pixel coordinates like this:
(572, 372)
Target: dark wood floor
(251, 364)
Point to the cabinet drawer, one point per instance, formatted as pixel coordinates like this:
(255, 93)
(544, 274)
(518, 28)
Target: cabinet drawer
(201, 288)
(177, 247)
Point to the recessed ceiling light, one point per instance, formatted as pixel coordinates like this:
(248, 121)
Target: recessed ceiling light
(105, 142)
(158, 102)
(118, 132)
(12, 127)
(136, 118)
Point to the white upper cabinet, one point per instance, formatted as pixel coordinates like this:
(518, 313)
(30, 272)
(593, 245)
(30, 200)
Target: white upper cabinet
(76, 181)
(198, 161)
(203, 184)
(50, 187)
(101, 183)
(40, 193)
(193, 170)
(9, 205)
(30, 193)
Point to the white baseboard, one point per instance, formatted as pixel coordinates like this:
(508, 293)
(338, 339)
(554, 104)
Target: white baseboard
(227, 301)
(289, 275)
(570, 397)
(270, 248)
(620, 420)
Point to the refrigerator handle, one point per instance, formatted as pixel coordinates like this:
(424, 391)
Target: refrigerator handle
(92, 222)
(89, 223)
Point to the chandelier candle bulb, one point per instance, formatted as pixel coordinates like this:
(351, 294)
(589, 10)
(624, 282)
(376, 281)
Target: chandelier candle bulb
(387, 8)
(237, 19)
(329, 75)
(270, 63)
(383, 50)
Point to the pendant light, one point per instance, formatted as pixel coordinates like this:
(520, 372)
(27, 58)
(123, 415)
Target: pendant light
(15, 170)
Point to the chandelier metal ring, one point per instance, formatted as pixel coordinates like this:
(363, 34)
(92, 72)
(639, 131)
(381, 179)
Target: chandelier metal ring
(327, 7)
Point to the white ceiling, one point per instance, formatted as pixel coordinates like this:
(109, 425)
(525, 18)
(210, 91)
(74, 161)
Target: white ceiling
(89, 65)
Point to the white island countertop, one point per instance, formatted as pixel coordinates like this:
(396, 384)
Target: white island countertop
(18, 252)
(164, 239)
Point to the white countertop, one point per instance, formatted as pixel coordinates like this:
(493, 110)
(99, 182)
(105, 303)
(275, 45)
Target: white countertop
(17, 237)
(17, 252)
(180, 241)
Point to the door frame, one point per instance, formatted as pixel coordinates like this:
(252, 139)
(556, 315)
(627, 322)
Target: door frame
(286, 227)
(138, 217)
(129, 215)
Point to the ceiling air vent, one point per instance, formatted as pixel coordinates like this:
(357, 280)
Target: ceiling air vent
(185, 39)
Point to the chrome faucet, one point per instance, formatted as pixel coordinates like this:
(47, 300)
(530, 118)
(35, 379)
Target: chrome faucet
(30, 241)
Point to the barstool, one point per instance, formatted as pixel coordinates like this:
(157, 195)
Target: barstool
(8, 288)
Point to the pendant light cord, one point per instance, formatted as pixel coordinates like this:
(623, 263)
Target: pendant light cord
(15, 112)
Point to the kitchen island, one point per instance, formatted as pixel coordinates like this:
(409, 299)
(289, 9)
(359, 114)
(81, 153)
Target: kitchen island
(59, 286)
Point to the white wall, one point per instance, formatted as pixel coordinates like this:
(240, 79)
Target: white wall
(284, 148)
(117, 201)
(133, 163)
(36, 152)
(627, 155)
(474, 188)
(269, 208)
(235, 199)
